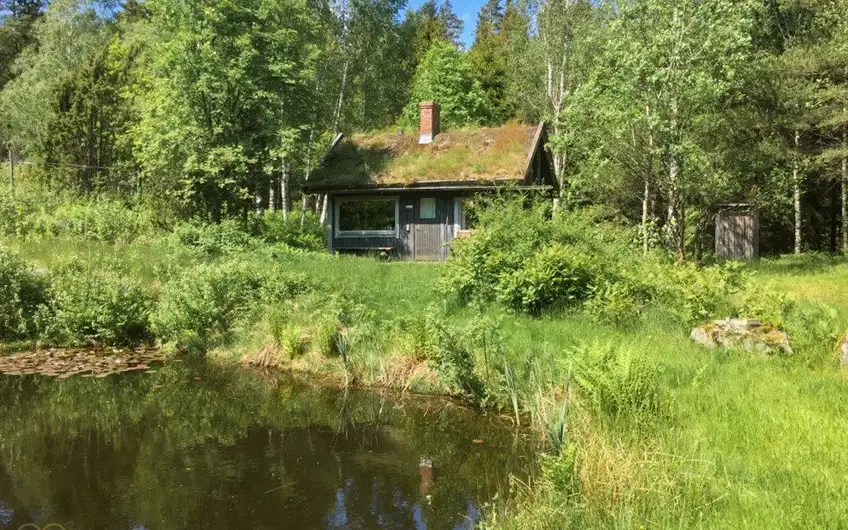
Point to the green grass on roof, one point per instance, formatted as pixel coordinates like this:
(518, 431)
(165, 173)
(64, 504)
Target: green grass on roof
(478, 155)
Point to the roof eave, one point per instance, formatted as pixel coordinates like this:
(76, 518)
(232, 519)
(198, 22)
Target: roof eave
(513, 184)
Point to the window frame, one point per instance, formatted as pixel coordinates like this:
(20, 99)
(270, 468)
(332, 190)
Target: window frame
(365, 233)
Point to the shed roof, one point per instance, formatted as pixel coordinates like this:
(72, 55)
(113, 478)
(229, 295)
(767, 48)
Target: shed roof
(489, 156)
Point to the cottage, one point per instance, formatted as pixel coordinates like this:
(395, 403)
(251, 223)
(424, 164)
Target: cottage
(406, 195)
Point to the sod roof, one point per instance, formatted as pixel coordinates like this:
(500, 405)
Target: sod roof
(485, 156)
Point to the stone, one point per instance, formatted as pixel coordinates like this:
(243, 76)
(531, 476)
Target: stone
(702, 337)
(743, 334)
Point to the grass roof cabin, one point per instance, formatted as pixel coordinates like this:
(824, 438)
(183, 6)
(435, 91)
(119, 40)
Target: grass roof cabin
(406, 195)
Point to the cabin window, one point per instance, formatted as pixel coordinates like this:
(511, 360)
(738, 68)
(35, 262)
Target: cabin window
(428, 208)
(366, 217)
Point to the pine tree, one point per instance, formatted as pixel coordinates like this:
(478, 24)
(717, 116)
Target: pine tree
(489, 61)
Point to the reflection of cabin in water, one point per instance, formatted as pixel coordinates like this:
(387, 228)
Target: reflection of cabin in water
(406, 195)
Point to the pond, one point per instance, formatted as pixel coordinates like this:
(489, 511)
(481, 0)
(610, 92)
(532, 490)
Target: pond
(192, 445)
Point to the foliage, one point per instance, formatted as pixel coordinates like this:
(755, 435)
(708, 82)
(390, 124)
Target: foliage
(531, 262)
(555, 275)
(813, 331)
(22, 293)
(33, 211)
(694, 294)
(92, 302)
(616, 381)
(444, 75)
(211, 239)
(309, 234)
(203, 304)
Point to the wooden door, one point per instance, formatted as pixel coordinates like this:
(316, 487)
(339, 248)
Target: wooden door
(429, 212)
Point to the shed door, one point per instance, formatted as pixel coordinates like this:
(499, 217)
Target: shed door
(428, 228)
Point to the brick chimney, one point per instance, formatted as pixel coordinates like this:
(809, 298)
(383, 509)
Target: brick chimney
(429, 121)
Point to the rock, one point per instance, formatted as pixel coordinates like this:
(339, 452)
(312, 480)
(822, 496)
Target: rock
(843, 350)
(742, 333)
(702, 337)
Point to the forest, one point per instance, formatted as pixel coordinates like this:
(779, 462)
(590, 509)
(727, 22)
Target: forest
(660, 111)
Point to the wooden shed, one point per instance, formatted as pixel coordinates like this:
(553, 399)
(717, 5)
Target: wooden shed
(406, 195)
(737, 232)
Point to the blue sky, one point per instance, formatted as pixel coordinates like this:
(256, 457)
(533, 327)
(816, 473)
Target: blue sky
(466, 10)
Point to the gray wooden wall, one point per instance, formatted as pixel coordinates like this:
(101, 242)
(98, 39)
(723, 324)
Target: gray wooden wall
(737, 234)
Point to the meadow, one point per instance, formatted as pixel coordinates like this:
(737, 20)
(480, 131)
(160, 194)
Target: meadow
(585, 343)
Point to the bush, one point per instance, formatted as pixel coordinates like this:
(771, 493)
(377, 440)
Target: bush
(694, 294)
(95, 303)
(213, 240)
(556, 275)
(769, 306)
(509, 234)
(449, 353)
(617, 303)
(201, 305)
(22, 292)
(813, 330)
(311, 235)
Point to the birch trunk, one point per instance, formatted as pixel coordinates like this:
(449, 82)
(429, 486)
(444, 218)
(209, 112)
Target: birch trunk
(845, 189)
(676, 229)
(646, 197)
(308, 172)
(796, 193)
(272, 207)
(11, 167)
(257, 200)
(323, 209)
(285, 173)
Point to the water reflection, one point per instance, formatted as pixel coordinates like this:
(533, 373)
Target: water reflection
(196, 446)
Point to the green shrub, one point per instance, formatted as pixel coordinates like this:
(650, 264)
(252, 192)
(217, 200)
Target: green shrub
(770, 306)
(95, 303)
(694, 294)
(224, 238)
(555, 275)
(310, 235)
(280, 285)
(22, 292)
(615, 381)
(813, 330)
(618, 303)
(510, 233)
(94, 219)
(448, 351)
(202, 305)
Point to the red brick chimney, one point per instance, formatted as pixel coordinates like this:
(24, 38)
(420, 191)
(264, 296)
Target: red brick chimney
(429, 121)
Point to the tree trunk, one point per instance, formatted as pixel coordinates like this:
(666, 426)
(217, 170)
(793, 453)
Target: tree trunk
(307, 174)
(323, 209)
(796, 193)
(285, 173)
(845, 189)
(272, 207)
(257, 200)
(11, 167)
(646, 197)
(676, 229)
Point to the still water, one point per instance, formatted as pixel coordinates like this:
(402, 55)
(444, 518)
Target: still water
(191, 446)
